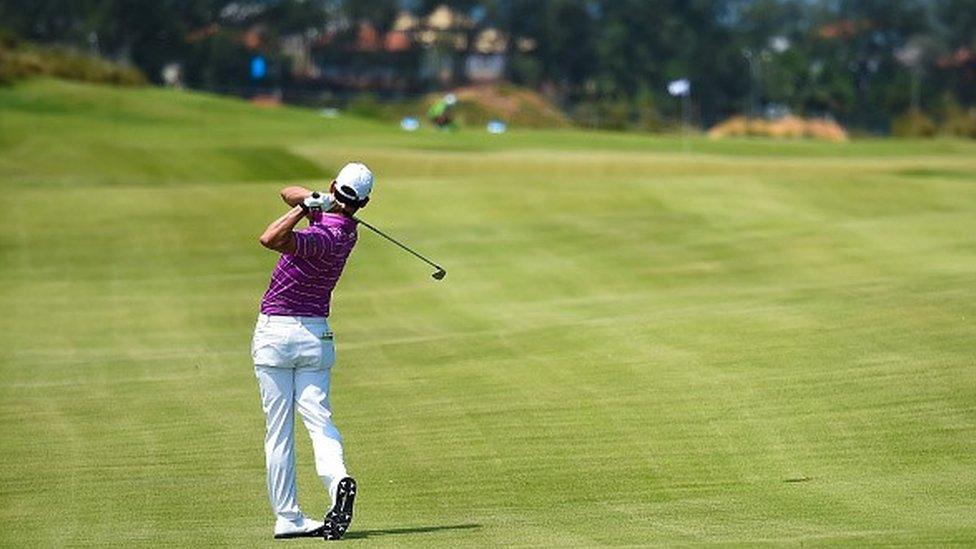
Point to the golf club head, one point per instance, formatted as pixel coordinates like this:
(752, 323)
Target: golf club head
(440, 274)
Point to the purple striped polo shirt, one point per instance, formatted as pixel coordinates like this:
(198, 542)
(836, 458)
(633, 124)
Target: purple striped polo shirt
(302, 282)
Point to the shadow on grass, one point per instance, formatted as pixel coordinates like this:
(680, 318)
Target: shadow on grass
(364, 534)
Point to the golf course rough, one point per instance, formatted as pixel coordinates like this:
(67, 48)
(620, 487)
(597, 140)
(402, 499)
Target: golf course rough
(753, 342)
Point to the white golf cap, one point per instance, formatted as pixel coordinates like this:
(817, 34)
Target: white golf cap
(354, 183)
(450, 99)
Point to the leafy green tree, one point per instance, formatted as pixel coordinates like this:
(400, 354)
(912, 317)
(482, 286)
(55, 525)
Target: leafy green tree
(845, 58)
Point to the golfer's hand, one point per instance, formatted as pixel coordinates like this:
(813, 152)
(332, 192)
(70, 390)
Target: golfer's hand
(318, 202)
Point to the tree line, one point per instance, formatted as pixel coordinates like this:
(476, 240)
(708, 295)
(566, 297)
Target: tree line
(863, 62)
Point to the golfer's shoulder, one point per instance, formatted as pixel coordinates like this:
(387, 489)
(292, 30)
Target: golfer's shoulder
(340, 224)
(335, 230)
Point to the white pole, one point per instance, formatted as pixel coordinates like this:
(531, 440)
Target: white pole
(684, 121)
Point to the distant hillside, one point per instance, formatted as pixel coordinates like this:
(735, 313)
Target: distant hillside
(114, 135)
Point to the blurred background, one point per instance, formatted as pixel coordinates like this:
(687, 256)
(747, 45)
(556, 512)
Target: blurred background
(905, 67)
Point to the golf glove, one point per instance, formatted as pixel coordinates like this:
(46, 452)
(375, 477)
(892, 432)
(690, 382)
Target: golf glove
(318, 202)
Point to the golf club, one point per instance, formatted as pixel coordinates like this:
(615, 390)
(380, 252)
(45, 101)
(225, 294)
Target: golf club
(439, 274)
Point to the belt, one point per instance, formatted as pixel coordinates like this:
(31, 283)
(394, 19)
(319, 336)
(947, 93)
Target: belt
(281, 319)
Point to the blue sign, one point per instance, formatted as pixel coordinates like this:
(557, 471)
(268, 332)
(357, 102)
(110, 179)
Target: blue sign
(259, 67)
(410, 124)
(496, 127)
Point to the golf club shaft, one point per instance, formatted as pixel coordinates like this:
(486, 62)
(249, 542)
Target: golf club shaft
(393, 240)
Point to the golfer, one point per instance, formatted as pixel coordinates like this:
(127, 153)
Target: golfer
(293, 349)
(442, 112)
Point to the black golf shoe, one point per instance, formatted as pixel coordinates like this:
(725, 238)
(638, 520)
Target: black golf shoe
(338, 519)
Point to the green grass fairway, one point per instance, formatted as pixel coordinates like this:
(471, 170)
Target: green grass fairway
(747, 343)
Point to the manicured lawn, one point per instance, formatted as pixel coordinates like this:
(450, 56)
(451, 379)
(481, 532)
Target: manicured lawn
(750, 342)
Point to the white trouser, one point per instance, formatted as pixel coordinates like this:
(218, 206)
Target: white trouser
(293, 358)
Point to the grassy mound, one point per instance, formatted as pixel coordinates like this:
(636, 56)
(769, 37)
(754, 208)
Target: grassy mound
(519, 107)
(785, 127)
(20, 60)
(751, 343)
(151, 136)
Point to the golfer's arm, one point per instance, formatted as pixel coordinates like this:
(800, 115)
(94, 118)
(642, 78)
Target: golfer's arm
(293, 196)
(279, 235)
